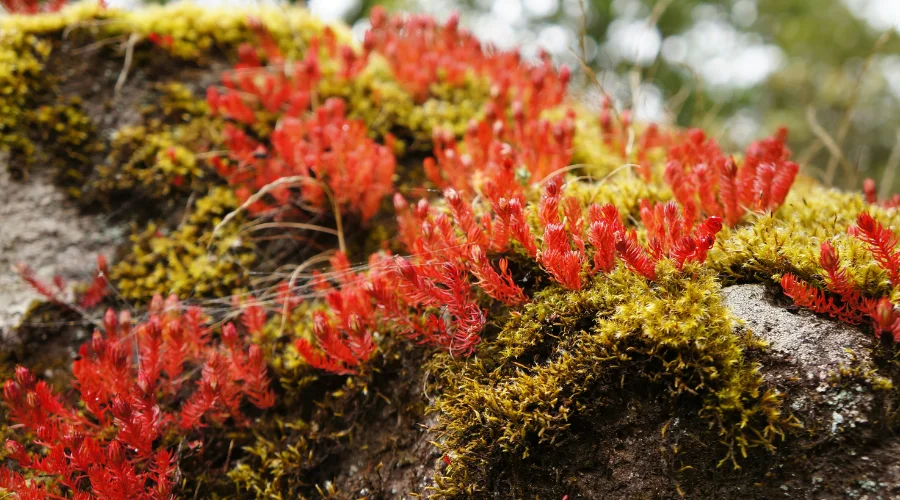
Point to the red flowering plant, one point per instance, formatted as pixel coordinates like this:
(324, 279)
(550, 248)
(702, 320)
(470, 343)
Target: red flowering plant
(705, 181)
(56, 290)
(327, 155)
(871, 195)
(136, 390)
(326, 151)
(423, 52)
(323, 153)
(497, 157)
(344, 331)
(845, 301)
(428, 295)
(34, 6)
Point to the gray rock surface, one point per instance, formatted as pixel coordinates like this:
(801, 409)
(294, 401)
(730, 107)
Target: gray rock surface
(41, 227)
(820, 366)
(810, 340)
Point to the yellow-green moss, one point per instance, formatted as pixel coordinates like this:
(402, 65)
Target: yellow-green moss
(70, 139)
(162, 156)
(183, 262)
(154, 163)
(524, 388)
(22, 57)
(281, 465)
(788, 240)
(625, 189)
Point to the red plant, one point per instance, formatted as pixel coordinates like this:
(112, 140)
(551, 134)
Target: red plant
(344, 331)
(165, 41)
(852, 308)
(494, 154)
(130, 382)
(882, 243)
(327, 150)
(428, 296)
(705, 181)
(99, 286)
(252, 86)
(670, 234)
(56, 290)
(34, 6)
(849, 305)
(871, 196)
(422, 52)
(320, 145)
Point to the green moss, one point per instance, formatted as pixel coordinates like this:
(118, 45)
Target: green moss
(188, 262)
(22, 58)
(161, 159)
(450, 108)
(69, 139)
(542, 372)
(789, 240)
(278, 466)
(376, 97)
(625, 189)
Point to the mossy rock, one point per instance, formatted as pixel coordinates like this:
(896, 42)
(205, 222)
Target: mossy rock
(705, 383)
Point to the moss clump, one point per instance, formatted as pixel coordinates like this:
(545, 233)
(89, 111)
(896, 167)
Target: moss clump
(155, 164)
(545, 367)
(281, 465)
(188, 262)
(624, 189)
(789, 239)
(68, 133)
(22, 57)
(377, 98)
(449, 107)
(161, 159)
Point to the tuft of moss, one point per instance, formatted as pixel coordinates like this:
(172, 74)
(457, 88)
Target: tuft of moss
(22, 57)
(188, 262)
(69, 139)
(547, 366)
(160, 159)
(788, 240)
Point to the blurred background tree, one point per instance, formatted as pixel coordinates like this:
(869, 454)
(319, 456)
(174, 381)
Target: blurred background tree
(827, 69)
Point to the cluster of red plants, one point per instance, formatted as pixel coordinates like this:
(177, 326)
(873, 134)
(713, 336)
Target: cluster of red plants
(493, 151)
(331, 157)
(36, 6)
(129, 381)
(704, 180)
(326, 153)
(344, 331)
(846, 301)
(422, 52)
(428, 296)
(139, 388)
